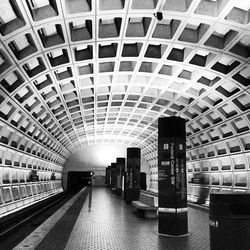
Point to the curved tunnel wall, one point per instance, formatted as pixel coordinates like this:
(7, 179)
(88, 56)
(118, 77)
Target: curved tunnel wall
(218, 162)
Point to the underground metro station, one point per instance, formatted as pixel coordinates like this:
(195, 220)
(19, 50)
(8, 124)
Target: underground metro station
(125, 124)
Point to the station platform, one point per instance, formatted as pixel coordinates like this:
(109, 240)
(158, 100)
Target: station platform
(99, 220)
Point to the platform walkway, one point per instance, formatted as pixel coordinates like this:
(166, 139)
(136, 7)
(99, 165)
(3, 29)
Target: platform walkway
(106, 222)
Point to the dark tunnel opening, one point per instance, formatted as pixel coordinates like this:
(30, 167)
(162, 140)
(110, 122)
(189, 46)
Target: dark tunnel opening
(78, 179)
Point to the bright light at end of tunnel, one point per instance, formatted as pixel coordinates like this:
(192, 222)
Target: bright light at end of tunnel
(105, 154)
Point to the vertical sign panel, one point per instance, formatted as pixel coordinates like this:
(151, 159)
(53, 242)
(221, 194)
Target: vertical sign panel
(106, 177)
(113, 177)
(120, 169)
(109, 177)
(172, 176)
(133, 174)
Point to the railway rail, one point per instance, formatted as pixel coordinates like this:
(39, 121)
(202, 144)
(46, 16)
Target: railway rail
(15, 227)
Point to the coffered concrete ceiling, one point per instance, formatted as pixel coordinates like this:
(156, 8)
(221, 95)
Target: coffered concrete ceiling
(82, 72)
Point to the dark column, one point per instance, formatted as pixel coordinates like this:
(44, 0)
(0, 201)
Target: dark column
(113, 177)
(126, 185)
(108, 175)
(229, 222)
(143, 181)
(120, 170)
(133, 174)
(172, 185)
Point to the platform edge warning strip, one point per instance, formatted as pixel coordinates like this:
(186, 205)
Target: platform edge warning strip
(58, 236)
(36, 237)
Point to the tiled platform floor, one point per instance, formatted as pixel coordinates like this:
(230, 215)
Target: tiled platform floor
(107, 222)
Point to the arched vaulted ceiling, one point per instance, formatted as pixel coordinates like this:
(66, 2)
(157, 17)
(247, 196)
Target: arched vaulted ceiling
(80, 72)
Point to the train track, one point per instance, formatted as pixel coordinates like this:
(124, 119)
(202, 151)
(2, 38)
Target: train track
(15, 227)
